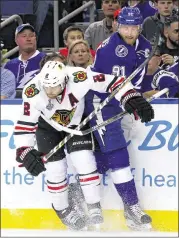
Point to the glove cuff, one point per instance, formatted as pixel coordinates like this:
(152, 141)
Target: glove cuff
(25, 152)
(128, 95)
(22, 152)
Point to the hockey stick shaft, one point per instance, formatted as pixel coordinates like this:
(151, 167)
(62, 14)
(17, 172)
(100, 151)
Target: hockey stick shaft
(117, 117)
(104, 103)
(112, 119)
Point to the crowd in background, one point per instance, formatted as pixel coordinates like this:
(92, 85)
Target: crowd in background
(78, 46)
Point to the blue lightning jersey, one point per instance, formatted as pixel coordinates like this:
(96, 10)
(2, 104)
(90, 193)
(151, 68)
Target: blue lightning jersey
(24, 71)
(115, 57)
(159, 80)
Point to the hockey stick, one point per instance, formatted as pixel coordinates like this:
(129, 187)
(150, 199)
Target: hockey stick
(110, 120)
(104, 103)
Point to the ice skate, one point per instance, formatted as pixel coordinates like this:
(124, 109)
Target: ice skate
(136, 219)
(71, 219)
(95, 216)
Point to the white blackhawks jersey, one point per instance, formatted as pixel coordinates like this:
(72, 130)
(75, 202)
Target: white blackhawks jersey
(67, 109)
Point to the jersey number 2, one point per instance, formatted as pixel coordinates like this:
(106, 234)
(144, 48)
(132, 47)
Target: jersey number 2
(26, 109)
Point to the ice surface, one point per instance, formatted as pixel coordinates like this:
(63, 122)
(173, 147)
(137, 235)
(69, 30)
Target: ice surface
(58, 233)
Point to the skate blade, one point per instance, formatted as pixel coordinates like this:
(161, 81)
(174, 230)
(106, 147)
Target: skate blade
(138, 227)
(82, 229)
(95, 227)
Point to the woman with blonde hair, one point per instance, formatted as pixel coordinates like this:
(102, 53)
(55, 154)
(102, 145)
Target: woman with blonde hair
(79, 54)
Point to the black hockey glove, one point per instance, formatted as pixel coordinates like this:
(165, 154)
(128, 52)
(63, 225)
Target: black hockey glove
(31, 160)
(135, 104)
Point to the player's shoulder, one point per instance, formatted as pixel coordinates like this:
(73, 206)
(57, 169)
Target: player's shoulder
(32, 89)
(105, 44)
(76, 74)
(71, 70)
(143, 46)
(144, 41)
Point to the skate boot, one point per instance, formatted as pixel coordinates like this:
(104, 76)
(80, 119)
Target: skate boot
(95, 215)
(136, 219)
(71, 218)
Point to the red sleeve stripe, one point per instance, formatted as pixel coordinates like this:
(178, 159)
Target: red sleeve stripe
(20, 128)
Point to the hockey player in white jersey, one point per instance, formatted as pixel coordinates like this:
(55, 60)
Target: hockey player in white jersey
(54, 98)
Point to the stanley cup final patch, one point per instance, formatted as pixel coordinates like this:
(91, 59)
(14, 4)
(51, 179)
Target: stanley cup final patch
(31, 91)
(79, 76)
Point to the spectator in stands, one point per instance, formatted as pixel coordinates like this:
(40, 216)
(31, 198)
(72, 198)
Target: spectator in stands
(170, 48)
(157, 79)
(70, 35)
(114, 22)
(26, 66)
(8, 84)
(101, 30)
(79, 54)
(176, 3)
(147, 8)
(151, 23)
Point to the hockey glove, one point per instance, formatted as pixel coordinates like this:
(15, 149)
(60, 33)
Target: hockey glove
(31, 160)
(135, 104)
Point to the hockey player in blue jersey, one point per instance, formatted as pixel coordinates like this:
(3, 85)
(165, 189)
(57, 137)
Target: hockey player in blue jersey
(120, 54)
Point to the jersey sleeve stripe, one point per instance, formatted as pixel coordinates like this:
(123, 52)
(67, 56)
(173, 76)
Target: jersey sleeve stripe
(26, 123)
(23, 133)
(20, 128)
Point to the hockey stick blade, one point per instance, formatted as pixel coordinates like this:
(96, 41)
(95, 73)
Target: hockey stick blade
(104, 103)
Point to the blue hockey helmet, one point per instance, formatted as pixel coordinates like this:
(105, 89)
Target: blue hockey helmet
(130, 16)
